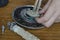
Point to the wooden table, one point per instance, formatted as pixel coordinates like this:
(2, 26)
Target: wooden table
(52, 33)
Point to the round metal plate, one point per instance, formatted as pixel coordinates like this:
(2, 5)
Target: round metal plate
(21, 20)
(3, 3)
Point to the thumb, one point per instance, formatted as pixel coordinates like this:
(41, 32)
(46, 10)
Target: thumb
(46, 7)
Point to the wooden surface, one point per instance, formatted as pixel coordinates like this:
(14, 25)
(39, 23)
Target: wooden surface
(52, 33)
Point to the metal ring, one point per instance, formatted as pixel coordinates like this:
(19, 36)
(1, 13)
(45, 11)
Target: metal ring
(17, 18)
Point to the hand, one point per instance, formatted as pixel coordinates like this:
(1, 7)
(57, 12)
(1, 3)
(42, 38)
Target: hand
(52, 12)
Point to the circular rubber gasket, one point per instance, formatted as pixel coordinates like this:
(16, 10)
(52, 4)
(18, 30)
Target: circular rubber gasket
(3, 3)
(20, 21)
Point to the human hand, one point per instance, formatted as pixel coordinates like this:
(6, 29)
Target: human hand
(52, 12)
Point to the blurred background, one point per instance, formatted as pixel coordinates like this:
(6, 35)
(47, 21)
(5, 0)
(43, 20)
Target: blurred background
(52, 33)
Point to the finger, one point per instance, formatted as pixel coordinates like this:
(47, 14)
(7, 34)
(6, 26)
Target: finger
(52, 19)
(57, 2)
(48, 14)
(58, 19)
(40, 20)
(46, 7)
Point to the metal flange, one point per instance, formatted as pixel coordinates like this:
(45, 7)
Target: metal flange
(23, 19)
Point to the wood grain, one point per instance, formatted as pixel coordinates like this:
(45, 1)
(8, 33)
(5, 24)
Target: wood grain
(52, 33)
